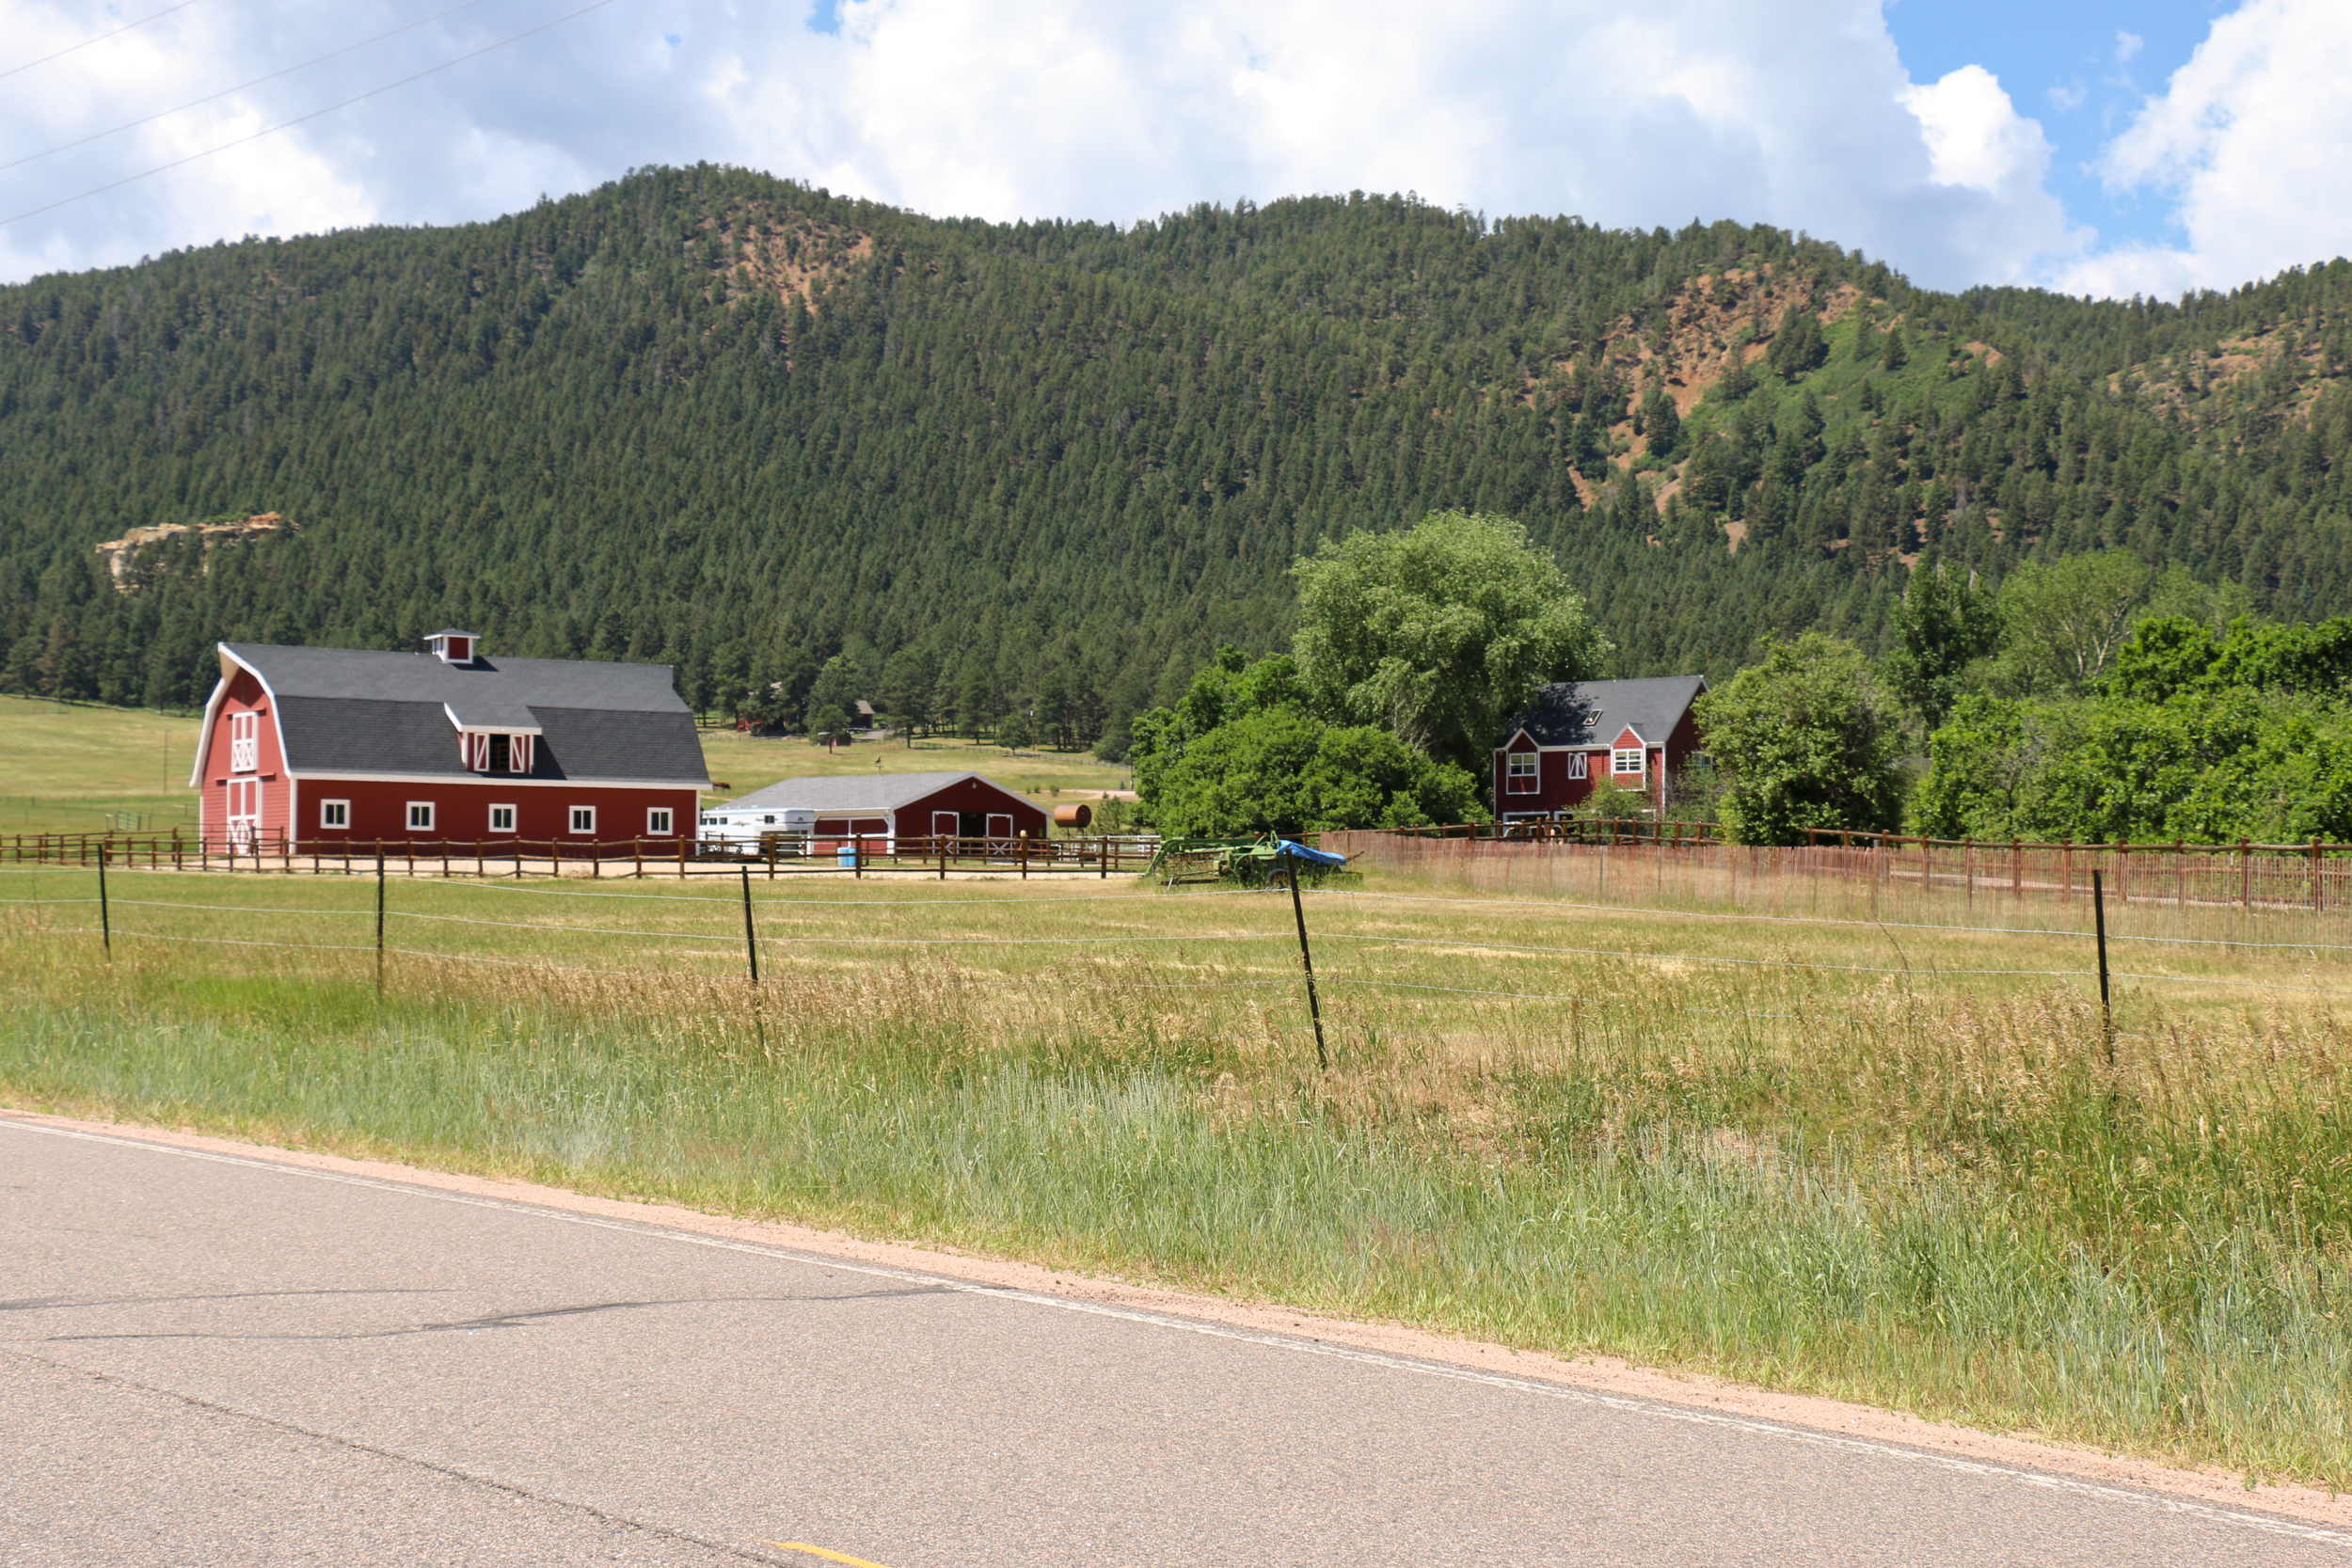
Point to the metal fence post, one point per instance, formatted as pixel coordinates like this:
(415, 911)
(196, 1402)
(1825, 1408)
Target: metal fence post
(1314, 1007)
(105, 922)
(379, 920)
(2099, 924)
(751, 942)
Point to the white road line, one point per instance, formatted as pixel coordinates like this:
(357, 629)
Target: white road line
(2265, 1523)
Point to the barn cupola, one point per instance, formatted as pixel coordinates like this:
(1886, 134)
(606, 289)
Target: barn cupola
(454, 647)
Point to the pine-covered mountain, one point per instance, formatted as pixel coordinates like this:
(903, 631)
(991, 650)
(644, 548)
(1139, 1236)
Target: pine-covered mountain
(726, 421)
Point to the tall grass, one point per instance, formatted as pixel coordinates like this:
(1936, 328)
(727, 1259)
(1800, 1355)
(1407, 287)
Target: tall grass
(1950, 1202)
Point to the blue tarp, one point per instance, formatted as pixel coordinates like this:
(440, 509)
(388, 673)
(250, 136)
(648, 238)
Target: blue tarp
(1315, 857)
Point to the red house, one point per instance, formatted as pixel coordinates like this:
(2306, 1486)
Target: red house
(1574, 733)
(336, 748)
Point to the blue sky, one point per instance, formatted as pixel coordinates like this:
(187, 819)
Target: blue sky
(2084, 145)
(2082, 69)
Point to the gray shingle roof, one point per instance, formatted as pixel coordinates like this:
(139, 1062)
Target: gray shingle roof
(852, 791)
(353, 710)
(1592, 713)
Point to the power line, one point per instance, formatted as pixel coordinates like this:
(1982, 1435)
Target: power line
(298, 119)
(101, 37)
(198, 102)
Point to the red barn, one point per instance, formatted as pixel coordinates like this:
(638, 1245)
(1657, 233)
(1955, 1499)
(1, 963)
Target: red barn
(335, 748)
(881, 805)
(1574, 733)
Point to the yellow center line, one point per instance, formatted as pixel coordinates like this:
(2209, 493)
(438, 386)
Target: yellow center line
(819, 1551)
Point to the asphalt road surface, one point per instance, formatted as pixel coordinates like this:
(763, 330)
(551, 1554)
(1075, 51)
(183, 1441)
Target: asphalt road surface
(211, 1359)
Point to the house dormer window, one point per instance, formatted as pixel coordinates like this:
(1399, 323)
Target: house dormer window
(453, 648)
(245, 742)
(1521, 777)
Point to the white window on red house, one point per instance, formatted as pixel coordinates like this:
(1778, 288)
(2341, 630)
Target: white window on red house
(658, 820)
(1579, 766)
(1626, 761)
(245, 742)
(501, 819)
(1521, 776)
(334, 814)
(420, 817)
(583, 820)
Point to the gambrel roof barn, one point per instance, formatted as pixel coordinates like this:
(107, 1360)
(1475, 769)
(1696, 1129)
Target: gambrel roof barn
(335, 745)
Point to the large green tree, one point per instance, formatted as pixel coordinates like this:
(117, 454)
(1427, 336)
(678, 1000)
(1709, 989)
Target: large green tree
(1438, 633)
(1945, 623)
(1804, 739)
(1243, 752)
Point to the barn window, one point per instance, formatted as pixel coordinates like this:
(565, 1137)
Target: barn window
(583, 820)
(334, 814)
(1521, 773)
(245, 742)
(501, 819)
(420, 817)
(1625, 760)
(657, 821)
(1579, 765)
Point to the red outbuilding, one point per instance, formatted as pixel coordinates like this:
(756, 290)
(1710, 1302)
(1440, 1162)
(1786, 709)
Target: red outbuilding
(325, 749)
(881, 806)
(1556, 751)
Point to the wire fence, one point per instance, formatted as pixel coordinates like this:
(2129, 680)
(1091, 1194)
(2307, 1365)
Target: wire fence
(715, 929)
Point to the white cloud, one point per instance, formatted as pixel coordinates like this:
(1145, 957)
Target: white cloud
(1797, 113)
(2251, 138)
(2127, 45)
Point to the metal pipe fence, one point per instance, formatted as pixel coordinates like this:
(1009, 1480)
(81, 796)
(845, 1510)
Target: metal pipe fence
(2300, 893)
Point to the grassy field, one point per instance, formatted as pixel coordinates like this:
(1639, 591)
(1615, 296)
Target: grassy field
(82, 769)
(747, 764)
(85, 769)
(1899, 1168)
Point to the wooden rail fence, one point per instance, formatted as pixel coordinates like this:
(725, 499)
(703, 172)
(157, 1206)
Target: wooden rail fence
(1101, 855)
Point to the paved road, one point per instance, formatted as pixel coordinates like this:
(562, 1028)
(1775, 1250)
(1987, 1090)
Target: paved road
(210, 1360)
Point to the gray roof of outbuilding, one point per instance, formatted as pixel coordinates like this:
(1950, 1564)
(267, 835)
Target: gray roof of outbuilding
(854, 791)
(1594, 713)
(355, 710)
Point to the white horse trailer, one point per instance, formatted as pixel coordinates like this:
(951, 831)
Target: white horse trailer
(730, 829)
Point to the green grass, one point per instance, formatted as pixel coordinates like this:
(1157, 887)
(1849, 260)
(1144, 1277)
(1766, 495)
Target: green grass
(77, 768)
(1919, 1188)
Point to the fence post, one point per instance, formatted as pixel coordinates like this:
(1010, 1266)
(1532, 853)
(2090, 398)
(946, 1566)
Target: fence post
(2099, 924)
(2066, 872)
(105, 922)
(943, 855)
(640, 843)
(379, 920)
(2245, 874)
(2016, 869)
(751, 942)
(2315, 899)
(1314, 1007)
(2179, 875)
(1103, 861)
(857, 857)
(681, 857)
(1020, 852)
(1968, 869)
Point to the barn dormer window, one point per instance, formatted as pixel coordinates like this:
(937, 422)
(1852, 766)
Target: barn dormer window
(454, 647)
(497, 751)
